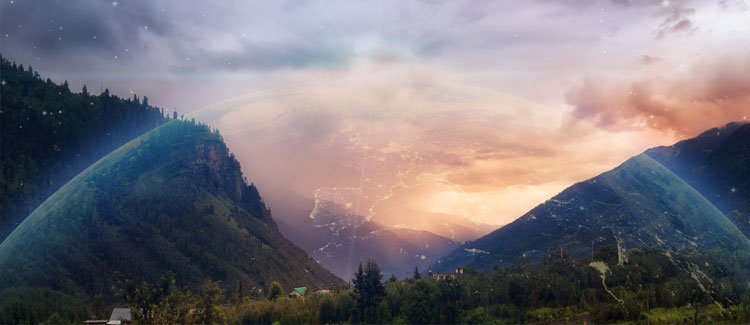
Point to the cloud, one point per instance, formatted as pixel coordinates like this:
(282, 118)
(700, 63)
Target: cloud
(363, 134)
(196, 53)
(676, 21)
(81, 26)
(715, 92)
(648, 60)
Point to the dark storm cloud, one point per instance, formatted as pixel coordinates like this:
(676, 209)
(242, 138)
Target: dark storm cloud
(129, 30)
(220, 49)
(88, 27)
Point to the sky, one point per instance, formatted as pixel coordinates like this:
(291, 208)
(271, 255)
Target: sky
(352, 100)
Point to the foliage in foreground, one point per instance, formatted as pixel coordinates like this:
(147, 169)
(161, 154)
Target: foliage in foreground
(176, 200)
(651, 285)
(654, 285)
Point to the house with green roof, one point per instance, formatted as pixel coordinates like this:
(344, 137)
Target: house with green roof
(298, 292)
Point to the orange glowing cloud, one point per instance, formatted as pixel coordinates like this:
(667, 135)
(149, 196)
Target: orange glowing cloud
(400, 147)
(713, 93)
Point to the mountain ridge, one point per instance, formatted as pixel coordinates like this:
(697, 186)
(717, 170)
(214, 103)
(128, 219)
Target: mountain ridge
(593, 213)
(56, 134)
(339, 239)
(716, 163)
(172, 199)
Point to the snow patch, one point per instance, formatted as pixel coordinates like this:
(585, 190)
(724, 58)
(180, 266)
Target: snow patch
(476, 251)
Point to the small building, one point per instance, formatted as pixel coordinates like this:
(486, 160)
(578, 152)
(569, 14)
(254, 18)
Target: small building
(442, 276)
(96, 322)
(323, 292)
(298, 292)
(448, 276)
(120, 316)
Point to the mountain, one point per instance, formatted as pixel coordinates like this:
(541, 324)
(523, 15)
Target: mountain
(339, 239)
(717, 164)
(453, 227)
(172, 199)
(639, 203)
(49, 134)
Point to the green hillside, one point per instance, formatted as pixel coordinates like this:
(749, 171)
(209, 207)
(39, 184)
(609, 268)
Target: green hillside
(48, 134)
(640, 203)
(172, 199)
(717, 164)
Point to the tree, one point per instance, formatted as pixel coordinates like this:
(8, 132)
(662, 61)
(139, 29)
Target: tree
(419, 303)
(210, 303)
(97, 306)
(175, 307)
(368, 291)
(417, 276)
(393, 278)
(57, 319)
(607, 254)
(274, 292)
(162, 302)
(240, 293)
(327, 312)
(44, 151)
(144, 298)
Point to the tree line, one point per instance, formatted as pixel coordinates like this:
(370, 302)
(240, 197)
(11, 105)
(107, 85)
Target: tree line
(649, 285)
(48, 134)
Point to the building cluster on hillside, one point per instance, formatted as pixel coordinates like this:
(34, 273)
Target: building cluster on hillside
(300, 292)
(448, 276)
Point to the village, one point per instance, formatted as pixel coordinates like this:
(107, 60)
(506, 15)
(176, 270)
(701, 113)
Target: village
(122, 315)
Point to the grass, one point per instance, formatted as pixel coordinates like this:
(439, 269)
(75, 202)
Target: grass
(709, 314)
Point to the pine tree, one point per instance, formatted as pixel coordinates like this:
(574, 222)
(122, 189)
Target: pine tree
(240, 290)
(417, 276)
(369, 290)
(360, 290)
(375, 280)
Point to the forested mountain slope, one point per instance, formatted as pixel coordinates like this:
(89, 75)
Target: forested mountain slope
(716, 164)
(49, 134)
(173, 199)
(640, 203)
